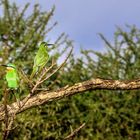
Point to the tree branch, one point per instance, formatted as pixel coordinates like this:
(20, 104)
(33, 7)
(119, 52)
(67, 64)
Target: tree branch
(48, 96)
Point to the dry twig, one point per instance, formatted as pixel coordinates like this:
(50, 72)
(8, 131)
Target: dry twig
(72, 134)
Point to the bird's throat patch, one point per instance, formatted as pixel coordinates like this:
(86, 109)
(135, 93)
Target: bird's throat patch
(9, 69)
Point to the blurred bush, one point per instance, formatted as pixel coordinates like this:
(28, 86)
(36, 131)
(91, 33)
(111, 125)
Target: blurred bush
(111, 115)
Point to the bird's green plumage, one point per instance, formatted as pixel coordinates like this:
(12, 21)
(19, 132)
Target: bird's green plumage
(12, 80)
(41, 58)
(12, 76)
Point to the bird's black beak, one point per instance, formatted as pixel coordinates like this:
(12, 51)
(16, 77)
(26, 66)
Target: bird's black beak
(50, 44)
(47, 44)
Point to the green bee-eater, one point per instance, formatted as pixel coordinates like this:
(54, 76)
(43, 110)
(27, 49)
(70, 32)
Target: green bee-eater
(12, 79)
(41, 58)
(11, 76)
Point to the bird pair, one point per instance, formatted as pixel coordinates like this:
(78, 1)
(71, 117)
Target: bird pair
(40, 61)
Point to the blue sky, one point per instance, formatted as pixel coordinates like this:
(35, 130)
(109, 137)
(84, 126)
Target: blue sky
(82, 20)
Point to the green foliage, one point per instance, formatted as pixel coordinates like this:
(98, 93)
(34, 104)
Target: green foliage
(107, 114)
(20, 35)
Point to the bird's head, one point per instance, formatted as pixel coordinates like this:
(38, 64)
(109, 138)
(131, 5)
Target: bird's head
(10, 67)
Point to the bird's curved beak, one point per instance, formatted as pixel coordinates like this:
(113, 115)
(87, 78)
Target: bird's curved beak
(49, 44)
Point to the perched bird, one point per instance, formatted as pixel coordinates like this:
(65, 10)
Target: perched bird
(40, 59)
(12, 76)
(12, 79)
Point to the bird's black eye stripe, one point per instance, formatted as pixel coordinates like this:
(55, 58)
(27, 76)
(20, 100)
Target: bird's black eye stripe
(4, 65)
(8, 66)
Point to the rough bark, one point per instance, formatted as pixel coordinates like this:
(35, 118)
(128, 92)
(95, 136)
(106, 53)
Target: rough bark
(44, 97)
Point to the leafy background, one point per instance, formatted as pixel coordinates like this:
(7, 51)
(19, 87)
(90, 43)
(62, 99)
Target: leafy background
(112, 115)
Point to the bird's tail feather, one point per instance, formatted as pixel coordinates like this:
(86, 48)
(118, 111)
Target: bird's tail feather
(16, 98)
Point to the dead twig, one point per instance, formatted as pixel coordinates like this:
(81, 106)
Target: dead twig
(42, 75)
(5, 134)
(24, 76)
(72, 134)
(8, 119)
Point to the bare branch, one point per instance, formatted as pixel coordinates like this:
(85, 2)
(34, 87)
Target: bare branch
(8, 120)
(25, 78)
(69, 137)
(39, 81)
(49, 96)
